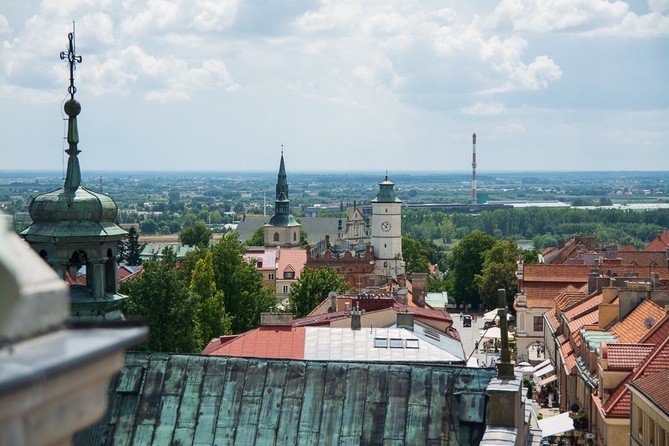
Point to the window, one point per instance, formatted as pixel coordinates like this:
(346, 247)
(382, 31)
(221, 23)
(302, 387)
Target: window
(380, 342)
(538, 323)
(661, 437)
(289, 274)
(270, 276)
(294, 236)
(651, 431)
(286, 289)
(259, 264)
(396, 343)
(412, 343)
(276, 236)
(639, 423)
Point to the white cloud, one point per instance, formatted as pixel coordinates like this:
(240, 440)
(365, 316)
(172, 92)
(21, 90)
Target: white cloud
(587, 17)
(480, 108)
(163, 79)
(4, 25)
(659, 5)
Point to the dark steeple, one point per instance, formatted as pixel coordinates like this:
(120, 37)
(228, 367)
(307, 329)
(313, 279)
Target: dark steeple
(282, 215)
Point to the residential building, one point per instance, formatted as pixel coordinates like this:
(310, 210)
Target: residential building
(649, 410)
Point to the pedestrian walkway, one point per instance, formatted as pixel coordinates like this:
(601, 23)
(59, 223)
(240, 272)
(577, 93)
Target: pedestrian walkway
(470, 336)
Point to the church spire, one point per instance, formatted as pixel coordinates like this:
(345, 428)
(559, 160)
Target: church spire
(72, 108)
(282, 181)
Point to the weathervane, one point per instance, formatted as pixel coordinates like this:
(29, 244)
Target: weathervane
(72, 59)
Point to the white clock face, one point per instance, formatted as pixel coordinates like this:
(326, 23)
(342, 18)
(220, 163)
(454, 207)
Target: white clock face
(385, 226)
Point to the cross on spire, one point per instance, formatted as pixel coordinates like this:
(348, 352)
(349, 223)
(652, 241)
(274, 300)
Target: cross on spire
(281, 149)
(72, 59)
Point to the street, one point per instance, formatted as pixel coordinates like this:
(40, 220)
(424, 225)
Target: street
(470, 335)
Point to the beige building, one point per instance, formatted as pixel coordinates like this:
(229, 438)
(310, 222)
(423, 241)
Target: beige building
(649, 411)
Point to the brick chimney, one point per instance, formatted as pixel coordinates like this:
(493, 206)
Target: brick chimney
(419, 285)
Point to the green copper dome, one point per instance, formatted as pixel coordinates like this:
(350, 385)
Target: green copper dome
(386, 192)
(73, 210)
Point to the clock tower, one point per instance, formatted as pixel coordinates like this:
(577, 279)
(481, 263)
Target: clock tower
(387, 231)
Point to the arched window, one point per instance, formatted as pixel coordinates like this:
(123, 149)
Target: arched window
(78, 259)
(294, 236)
(276, 236)
(110, 272)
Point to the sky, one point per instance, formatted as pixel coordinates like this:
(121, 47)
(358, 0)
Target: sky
(343, 85)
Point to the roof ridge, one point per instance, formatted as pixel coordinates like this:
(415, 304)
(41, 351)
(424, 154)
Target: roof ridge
(622, 387)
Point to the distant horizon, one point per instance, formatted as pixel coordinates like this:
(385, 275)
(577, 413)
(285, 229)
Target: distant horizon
(325, 172)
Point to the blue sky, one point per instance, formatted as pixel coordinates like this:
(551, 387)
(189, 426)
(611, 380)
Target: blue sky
(344, 85)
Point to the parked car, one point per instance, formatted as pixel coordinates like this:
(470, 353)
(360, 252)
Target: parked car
(466, 320)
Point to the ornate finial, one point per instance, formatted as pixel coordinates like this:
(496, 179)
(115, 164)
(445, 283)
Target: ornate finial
(72, 59)
(72, 108)
(281, 149)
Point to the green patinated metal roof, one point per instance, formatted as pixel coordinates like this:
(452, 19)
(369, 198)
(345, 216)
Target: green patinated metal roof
(166, 399)
(386, 193)
(282, 220)
(74, 229)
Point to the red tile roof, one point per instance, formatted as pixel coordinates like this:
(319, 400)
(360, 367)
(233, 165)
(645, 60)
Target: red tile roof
(571, 297)
(574, 274)
(576, 324)
(625, 356)
(659, 243)
(584, 307)
(266, 342)
(654, 387)
(658, 333)
(644, 258)
(633, 327)
(552, 320)
(618, 406)
(542, 295)
(291, 259)
(568, 359)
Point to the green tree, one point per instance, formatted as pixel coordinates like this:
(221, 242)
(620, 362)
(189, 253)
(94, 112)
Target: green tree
(241, 284)
(415, 256)
(499, 271)
(148, 226)
(212, 319)
(447, 230)
(312, 288)
(133, 248)
(258, 238)
(195, 235)
(467, 261)
(163, 302)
